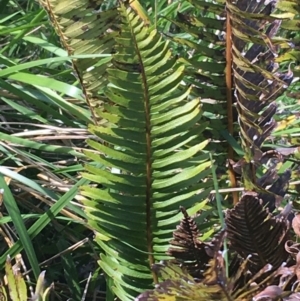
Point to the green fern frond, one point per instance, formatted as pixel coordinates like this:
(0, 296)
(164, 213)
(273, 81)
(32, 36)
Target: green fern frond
(148, 171)
(201, 33)
(85, 28)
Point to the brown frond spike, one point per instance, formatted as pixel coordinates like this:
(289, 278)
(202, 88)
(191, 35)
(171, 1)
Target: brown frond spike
(189, 250)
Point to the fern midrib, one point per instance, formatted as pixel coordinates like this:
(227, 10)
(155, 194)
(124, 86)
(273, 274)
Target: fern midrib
(148, 158)
(229, 94)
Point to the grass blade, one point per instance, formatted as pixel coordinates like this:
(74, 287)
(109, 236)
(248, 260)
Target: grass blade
(14, 212)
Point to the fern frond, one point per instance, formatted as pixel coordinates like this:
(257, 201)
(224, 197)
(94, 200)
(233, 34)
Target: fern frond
(189, 250)
(201, 29)
(85, 28)
(148, 171)
(252, 231)
(178, 285)
(257, 80)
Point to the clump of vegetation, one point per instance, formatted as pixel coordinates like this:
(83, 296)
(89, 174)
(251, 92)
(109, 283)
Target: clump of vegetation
(258, 262)
(118, 113)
